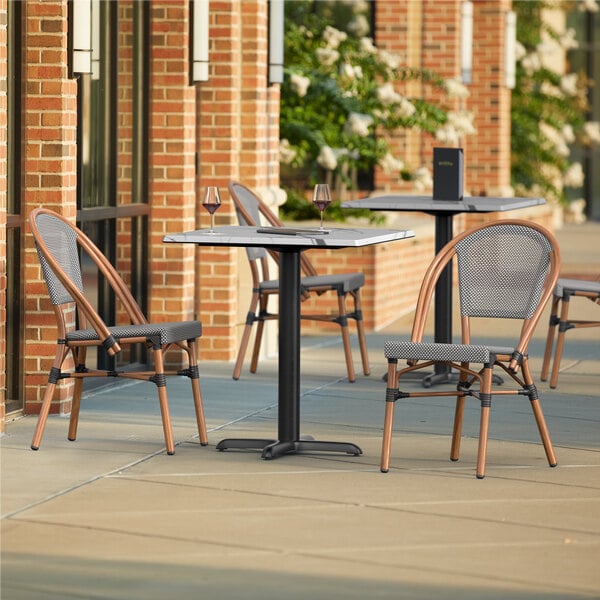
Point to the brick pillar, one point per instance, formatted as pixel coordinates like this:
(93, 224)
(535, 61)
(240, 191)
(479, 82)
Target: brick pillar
(51, 178)
(427, 35)
(3, 207)
(488, 152)
(172, 197)
(238, 138)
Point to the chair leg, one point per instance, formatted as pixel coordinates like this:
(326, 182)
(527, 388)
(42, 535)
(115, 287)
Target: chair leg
(75, 406)
(485, 397)
(388, 423)
(264, 300)
(360, 328)
(163, 400)
(553, 322)
(250, 318)
(539, 415)
(196, 391)
(563, 325)
(79, 358)
(459, 412)
(61, 354)
(343, 321)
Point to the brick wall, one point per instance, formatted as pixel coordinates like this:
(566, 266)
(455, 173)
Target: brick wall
(172, 163)
(427, 35)
(50, 177)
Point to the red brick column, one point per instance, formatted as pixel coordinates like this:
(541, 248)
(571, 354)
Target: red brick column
(238, 138)
(50, 177)
(172, 146)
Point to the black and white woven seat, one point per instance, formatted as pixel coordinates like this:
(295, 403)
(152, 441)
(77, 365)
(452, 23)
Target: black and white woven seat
(252, 211)
(506, 271)
(565, 289)
(59, 245)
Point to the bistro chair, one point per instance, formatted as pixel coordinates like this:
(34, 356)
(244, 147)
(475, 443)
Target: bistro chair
(506, 270)
(61, 248)
(564, 290)
(252, 211)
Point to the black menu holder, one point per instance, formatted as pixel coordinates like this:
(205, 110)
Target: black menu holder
(448, 174)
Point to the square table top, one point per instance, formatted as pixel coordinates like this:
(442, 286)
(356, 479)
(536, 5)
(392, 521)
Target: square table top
(288, 237)
(427, 204)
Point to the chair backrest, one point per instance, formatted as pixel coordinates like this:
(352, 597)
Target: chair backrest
(506, 269)
(58, 243)
(248, 211)
(502, 270)
(251, 210)
(56, 238)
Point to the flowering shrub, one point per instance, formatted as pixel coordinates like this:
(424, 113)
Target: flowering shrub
(340, 103)
(548, 110)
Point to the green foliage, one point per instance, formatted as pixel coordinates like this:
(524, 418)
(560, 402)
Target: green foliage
(548, 108)
(340, 101)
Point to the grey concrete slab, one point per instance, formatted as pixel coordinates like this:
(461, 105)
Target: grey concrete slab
(112, 516)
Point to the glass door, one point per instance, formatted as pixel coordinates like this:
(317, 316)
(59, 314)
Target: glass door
(113, 161)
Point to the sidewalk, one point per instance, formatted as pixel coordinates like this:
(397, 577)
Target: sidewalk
(112, 516)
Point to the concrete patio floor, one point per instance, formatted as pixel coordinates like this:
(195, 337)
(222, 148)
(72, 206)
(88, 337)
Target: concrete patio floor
(112, 516)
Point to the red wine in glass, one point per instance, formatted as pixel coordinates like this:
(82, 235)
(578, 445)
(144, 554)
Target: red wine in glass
(211, 202)
(321, 199)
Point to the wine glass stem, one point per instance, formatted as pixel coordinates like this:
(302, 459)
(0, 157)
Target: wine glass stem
(212, 222)
(321, 220)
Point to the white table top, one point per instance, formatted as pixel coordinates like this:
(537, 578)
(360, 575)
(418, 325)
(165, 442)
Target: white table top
(302, 237)
(393, 202)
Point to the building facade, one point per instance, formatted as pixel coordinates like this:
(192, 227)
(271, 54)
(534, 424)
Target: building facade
(127, 149)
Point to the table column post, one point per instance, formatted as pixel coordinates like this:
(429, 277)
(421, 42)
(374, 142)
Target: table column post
(443, 290)
(289, 345)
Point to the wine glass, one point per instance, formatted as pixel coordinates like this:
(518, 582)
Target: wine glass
(211, 202)
(321, 199)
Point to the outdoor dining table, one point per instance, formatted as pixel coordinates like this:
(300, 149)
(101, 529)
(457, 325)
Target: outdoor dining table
(289, 242)
(443, 211)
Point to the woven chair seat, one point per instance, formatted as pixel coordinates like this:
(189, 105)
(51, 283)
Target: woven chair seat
(444, 352)
(576, 285)
(343, 283)
(163, 333)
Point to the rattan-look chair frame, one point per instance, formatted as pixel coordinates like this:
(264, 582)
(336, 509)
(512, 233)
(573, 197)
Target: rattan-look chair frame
(501, 267)
(263, 287)
(59, 243)
(563, 292)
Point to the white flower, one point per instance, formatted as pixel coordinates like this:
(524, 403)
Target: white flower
(391, 165)
(327, 57)
(392, 61)
(359, 26)
(333, 37)
(405, 109)
(386, 94)
(520, 51)
(568, 133)
(568, 40)
(555, 139)
(299, 84)
(531, 63)
(588, 5)
(286, 152)
(327, 159)
(591, 130)
(568, 84)
(352, 72)
(574, 176)
(422, 179)
(456, 89)
(551, 90)
(358, 124)
(366, 45)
